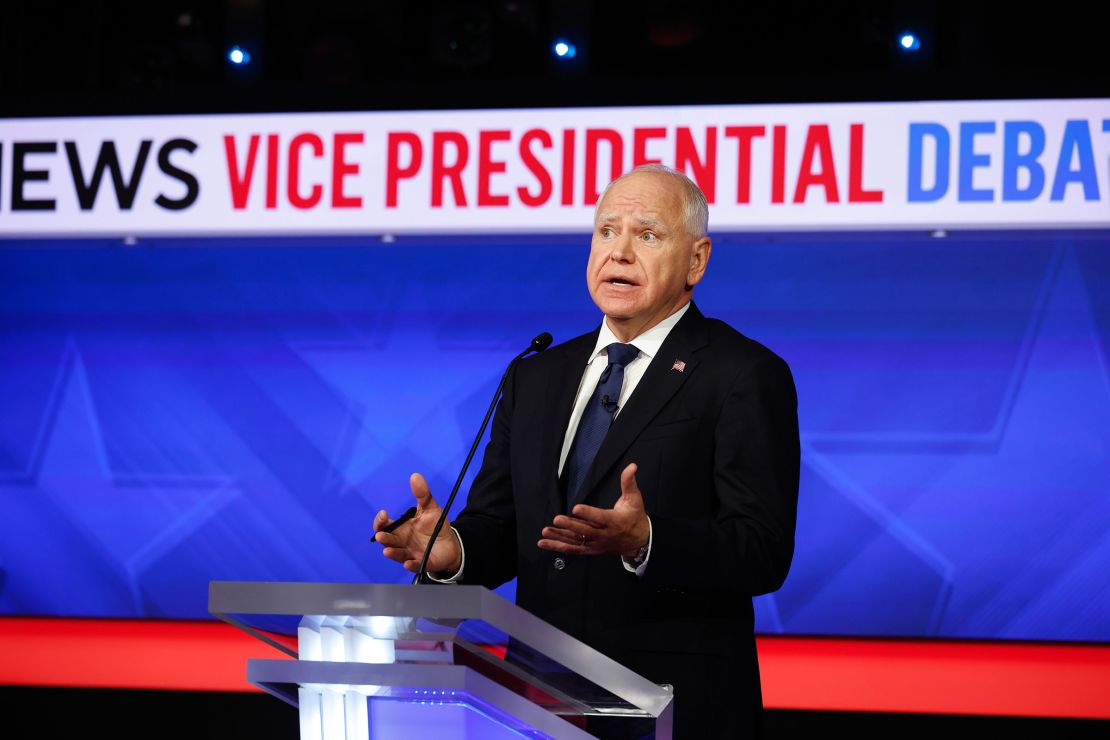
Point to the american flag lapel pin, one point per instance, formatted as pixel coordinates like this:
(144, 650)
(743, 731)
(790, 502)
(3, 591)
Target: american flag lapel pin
(679, 366)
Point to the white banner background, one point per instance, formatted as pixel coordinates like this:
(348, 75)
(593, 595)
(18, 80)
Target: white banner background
(1075, 163)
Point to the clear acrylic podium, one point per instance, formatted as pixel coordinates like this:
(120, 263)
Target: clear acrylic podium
(434, 661)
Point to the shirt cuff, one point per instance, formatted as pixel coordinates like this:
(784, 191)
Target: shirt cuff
(462, 562)
(630, 564)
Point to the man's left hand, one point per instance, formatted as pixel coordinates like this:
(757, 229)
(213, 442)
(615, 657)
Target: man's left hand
(622, 530)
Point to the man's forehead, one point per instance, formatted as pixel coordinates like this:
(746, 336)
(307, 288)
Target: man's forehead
(646, 194)
(645, 217)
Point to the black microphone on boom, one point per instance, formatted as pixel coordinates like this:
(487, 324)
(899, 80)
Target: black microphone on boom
(539, 343)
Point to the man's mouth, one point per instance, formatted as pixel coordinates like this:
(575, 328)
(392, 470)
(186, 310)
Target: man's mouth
(620, 281)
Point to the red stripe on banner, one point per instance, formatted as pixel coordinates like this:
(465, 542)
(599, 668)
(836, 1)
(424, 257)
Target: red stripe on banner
(936, 677)
(917, 676)
(127, 654)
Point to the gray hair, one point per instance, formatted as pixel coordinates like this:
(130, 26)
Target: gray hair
(695, 207)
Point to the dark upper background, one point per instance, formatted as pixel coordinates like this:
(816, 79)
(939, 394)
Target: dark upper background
(102, 57)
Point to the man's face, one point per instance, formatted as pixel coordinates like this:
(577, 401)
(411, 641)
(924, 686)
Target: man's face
(641, 257)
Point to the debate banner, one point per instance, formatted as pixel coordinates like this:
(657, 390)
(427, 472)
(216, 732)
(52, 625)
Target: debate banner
(1009, 164)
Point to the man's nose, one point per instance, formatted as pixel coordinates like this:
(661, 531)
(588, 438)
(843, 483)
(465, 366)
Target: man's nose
(622, 249)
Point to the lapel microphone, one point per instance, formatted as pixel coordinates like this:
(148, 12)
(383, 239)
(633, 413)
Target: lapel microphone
(539, 343)
(610, 406)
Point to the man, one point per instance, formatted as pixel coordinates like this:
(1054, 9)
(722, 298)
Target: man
(641, 480)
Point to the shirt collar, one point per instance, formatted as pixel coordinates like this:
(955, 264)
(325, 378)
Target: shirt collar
(648, 343)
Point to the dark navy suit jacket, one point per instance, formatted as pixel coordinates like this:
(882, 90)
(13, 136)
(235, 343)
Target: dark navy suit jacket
(716, 444)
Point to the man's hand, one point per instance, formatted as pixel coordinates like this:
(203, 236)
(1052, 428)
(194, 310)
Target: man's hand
(622, 530)
(406, 544)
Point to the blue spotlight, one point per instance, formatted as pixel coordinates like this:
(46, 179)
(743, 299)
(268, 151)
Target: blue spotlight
(909, 41)
(238, 56)
(564, 49)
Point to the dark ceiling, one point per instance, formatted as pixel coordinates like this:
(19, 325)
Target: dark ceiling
(101, 57)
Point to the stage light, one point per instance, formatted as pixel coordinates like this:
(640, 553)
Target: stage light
(564, 49)
(909, 41)
(238, 56)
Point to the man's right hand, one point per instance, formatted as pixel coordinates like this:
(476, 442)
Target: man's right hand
(407, 543)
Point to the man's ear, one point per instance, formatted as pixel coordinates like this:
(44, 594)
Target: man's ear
(699, 261)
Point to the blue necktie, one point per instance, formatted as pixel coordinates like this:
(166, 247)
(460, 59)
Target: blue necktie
(597, 417)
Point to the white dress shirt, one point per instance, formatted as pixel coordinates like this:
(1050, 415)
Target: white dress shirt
(648, 343)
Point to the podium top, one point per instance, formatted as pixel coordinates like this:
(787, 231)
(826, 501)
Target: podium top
(448, 623)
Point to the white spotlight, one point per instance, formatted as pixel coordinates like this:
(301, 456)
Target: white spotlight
(564, 49)
(909, 41)
(238, 56)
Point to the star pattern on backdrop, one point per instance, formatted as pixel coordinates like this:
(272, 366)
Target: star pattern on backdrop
(122, 523)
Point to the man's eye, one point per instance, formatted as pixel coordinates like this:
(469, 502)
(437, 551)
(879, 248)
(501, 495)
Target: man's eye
(606, 232)
(649, 236)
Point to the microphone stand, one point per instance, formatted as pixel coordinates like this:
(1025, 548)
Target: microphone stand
(539, 344)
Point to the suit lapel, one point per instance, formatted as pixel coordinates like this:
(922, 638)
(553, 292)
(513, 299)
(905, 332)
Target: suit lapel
(659, 384)
(562, 388)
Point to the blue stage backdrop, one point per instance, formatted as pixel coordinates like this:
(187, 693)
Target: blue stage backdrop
(180, 411)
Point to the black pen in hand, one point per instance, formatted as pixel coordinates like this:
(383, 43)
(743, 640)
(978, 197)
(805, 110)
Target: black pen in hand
(393, 525)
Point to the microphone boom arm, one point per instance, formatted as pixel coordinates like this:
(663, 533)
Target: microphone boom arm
(539, 344)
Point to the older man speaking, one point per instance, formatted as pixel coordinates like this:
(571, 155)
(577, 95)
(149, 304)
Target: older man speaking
(641, 480)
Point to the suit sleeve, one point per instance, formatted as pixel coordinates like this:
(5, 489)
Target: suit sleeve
(487, 525)
(748, 546)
